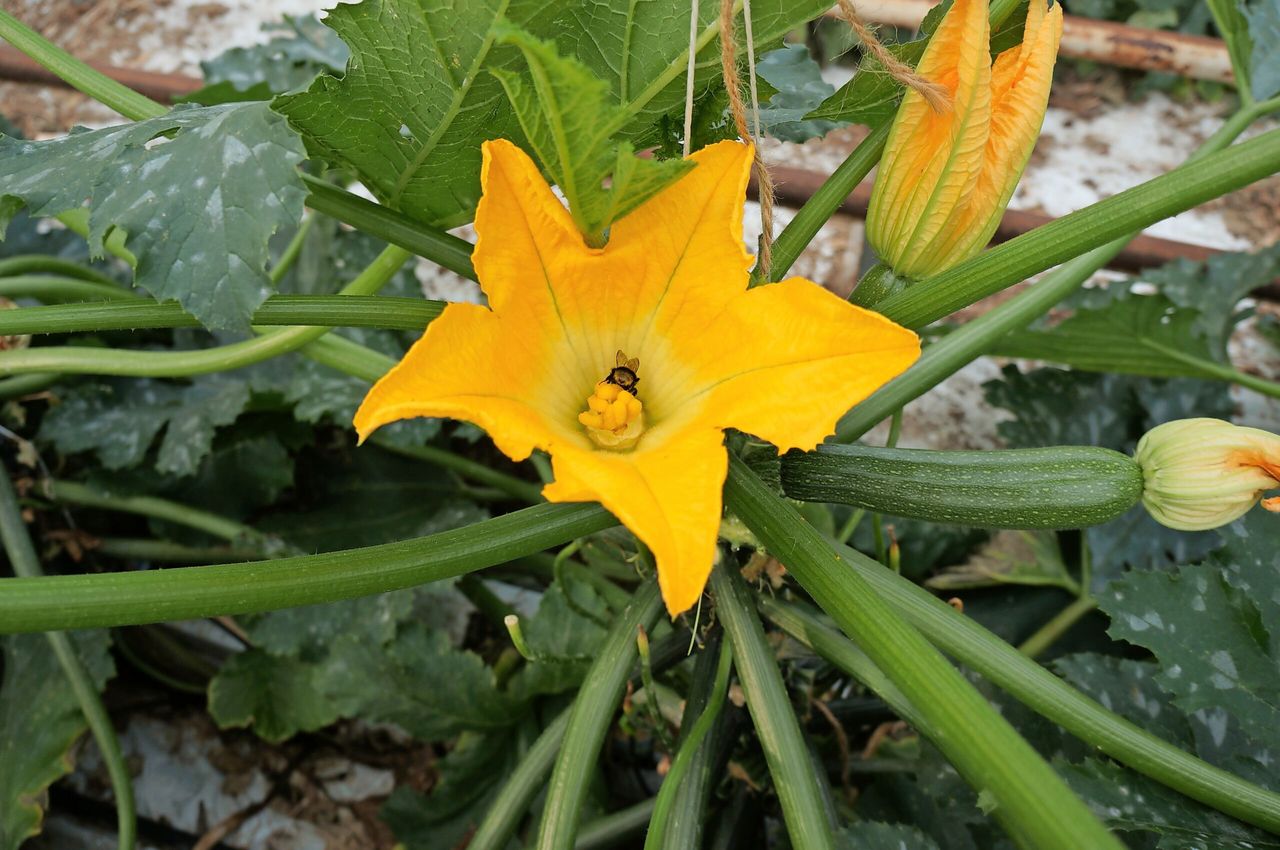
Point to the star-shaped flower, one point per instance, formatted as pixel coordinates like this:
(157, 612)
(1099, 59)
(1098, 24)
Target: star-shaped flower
(546, 364)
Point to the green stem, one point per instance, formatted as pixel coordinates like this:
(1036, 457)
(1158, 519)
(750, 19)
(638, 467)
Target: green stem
(615, 828)
(436, 245)
(171, 364)
(26, 384)
(958, 348)
(808, 628)
(784, 746)
(1221, 371)
(183, 593)
(684, 759)
(516, 487)
(524, 783)
(77, 74)
(1032, 802)
(350, 311)
(1046, 694)
(59, 288)
(165, 551)
(589, 721)
(26, 564)
(1049, 633)
(156, 508)
(46, 264)
(823, 203)
(1187, 186)
(291, 251)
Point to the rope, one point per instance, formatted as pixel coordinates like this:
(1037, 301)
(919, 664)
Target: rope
(733, 85)
(937, 96)
(688, 76)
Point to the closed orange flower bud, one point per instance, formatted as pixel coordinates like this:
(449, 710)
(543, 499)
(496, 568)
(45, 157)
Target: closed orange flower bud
(1204, 473)
(946, 176)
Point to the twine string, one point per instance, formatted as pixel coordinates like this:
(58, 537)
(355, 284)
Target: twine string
(738, 109)
(937, 96)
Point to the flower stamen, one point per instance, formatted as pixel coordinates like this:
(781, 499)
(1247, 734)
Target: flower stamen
(614, 418)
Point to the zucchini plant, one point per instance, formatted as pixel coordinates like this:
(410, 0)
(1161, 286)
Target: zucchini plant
(607, 543)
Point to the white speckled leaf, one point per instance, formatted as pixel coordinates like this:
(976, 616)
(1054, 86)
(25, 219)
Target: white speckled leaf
(198, 191)
(1214, 628)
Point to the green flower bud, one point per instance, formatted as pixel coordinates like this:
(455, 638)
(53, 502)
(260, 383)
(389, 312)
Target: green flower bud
(1204, 473)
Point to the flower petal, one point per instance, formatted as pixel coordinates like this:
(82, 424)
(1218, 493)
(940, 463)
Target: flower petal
(932, 160)
(1020, 81)
(801, 358)
(475, 365)
(667, 491)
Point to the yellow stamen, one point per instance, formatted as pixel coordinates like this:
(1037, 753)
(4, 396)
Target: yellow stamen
(614, 418)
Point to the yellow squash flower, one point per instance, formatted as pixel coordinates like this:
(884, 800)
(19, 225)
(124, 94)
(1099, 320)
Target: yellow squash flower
(1203, 473)
(549, 364)
(946, 177)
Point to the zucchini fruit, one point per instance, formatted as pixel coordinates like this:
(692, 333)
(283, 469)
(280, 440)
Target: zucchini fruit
(1061, 487)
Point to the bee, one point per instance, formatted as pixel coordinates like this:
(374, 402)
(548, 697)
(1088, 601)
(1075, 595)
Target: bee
(623, 374)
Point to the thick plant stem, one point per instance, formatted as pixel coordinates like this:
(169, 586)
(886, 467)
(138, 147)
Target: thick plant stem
(946, 356)
(60, 288)
(150, 506)
(173, 364)
(522, 786)
(1049, 633)
(1046, 694)
(589, 721)
(1032, 802)
(25, 562)
(689, 748)
(128, 313)
(152, 596)
(775, 720)
(77, 74)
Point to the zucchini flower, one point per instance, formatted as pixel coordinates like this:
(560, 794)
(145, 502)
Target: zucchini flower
(1203, 473)
(627, 362)
(946, 177)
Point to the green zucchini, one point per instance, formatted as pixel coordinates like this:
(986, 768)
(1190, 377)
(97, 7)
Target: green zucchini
(1061, 487)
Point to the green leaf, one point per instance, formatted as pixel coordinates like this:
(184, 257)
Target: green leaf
(1214, 288)
(869, 835)
(1264, 31)
(419, 682)
(119, 420)
(1056, 407)
(409, 113)
(1011, 557)
(40, 721)
(800, 89)
(1132, 803)
(469, 777)
(278, 697)
(1215, 629)
(369, 496)
(872, 96)
(1135, 335)
(569, 118)
(198, 191)
(563, 637)
(308, 631)
(1234, 30)
(289, 61)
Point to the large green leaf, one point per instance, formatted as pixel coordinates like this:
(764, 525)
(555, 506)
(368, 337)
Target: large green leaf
(570, 120)
(1137, 335)
(410, 120)
(1215, 629)
(301, 51)
(872, 96)
(1264, 32)
(414, 104)
(198, 191)
(277, 696)
(799, 89)
(40, 720)
(119, 420)
(419, 682)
